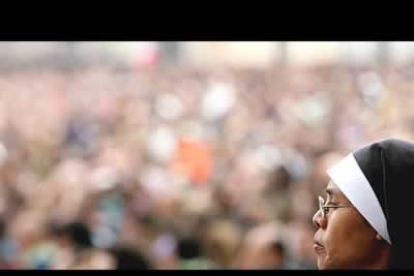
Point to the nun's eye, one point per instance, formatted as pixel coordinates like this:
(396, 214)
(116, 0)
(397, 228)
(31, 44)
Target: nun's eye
(328, 208)
(333, 206)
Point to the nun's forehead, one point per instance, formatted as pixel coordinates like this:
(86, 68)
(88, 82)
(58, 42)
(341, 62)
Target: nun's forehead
(332, 187)
(333, 190)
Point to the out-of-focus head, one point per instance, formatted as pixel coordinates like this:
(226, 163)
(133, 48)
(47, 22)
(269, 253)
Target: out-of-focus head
(262, 248)
(221, 242)
(129, 259)
(75, 234)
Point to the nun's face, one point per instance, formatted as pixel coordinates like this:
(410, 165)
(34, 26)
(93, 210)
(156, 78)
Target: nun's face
(344, 239)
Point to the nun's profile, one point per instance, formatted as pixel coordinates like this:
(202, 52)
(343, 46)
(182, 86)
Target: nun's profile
(366, 219)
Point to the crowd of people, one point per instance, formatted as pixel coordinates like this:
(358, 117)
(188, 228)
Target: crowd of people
(181, 168)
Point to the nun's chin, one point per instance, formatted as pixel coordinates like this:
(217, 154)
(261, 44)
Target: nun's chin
(321, 261)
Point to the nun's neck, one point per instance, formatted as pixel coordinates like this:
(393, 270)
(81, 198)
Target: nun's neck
(382, 262)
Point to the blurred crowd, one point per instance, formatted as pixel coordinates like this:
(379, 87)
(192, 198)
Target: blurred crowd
(181, 168)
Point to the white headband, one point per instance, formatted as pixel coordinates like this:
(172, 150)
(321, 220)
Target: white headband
(350, 179)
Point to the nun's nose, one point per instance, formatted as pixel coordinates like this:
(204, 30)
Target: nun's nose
(318, 220)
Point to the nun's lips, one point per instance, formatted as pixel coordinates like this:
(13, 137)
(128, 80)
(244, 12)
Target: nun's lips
(317, 246)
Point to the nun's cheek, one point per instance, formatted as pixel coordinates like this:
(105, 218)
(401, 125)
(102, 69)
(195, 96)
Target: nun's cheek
(325, 261)
(335, 257)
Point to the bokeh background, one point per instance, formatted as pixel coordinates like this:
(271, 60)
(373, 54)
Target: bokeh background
(184, 155)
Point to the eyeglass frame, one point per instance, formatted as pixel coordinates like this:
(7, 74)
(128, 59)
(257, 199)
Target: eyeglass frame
(323, 209)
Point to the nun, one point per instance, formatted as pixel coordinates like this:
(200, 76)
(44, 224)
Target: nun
(365, 220)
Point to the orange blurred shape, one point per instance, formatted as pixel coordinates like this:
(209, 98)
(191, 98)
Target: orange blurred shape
(193, 160)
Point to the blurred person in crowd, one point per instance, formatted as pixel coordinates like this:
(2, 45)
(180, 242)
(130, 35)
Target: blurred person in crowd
(191, 254)
(262, 248)
(77, 250)
(277, 192)
(360, 225)
(28, 236)
(7, 250)
(129, 259)
(221, 238)
(164, 253)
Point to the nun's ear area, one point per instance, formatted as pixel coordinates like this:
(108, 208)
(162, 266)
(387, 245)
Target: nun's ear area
(382, 243)
(378, 237)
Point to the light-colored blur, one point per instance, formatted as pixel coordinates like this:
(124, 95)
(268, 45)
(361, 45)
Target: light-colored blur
(183, 155)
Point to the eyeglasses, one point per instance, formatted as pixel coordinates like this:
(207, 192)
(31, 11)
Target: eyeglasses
(324, 209)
